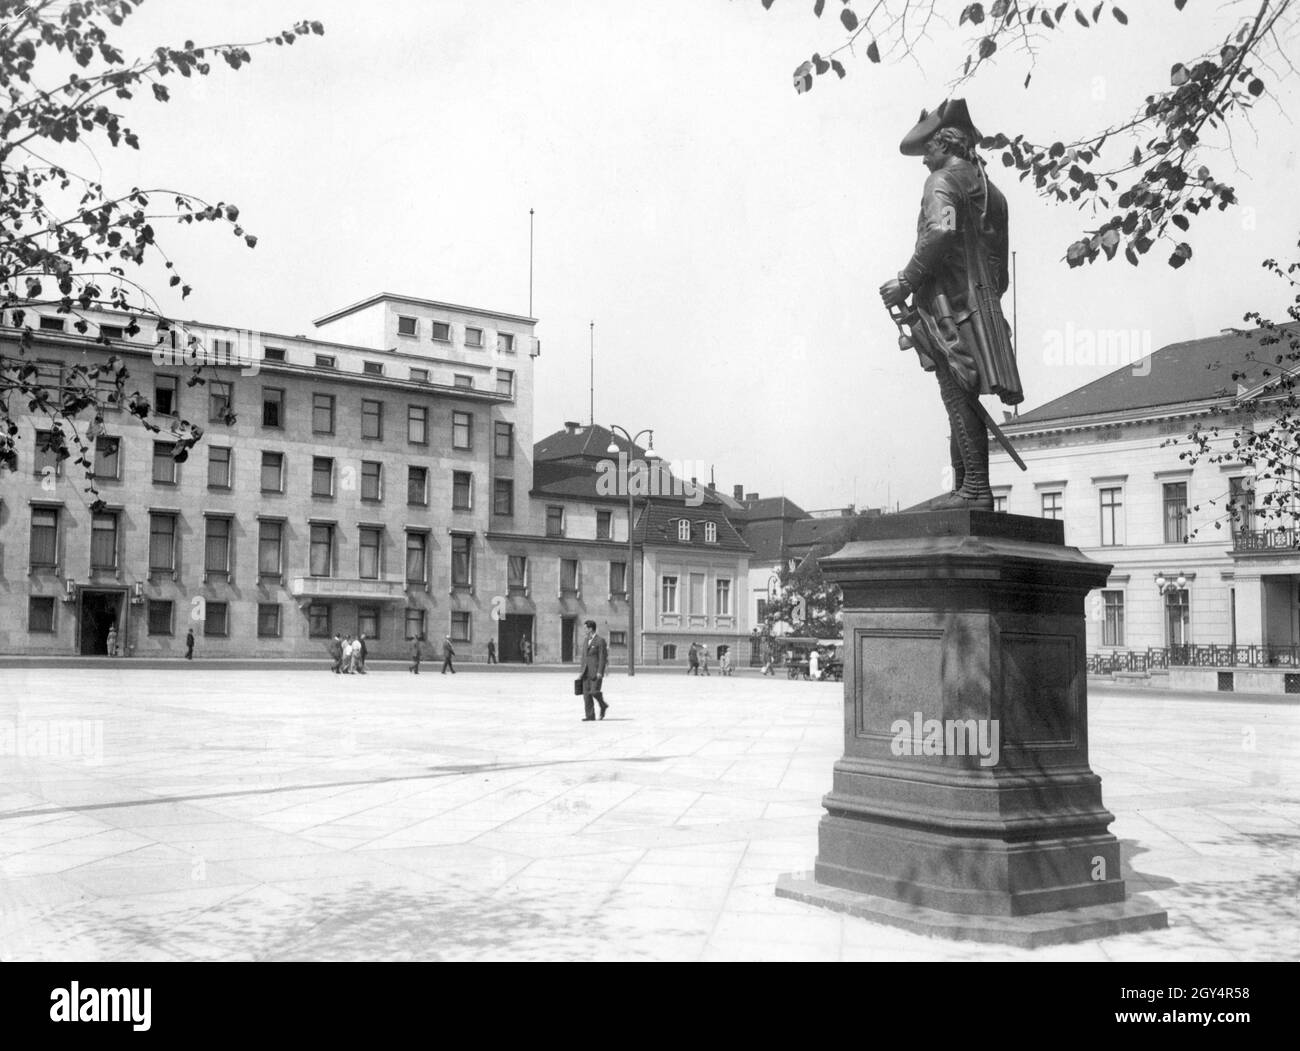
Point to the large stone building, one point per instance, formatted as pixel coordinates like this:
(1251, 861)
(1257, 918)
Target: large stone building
(378, 479)
(1102, 458)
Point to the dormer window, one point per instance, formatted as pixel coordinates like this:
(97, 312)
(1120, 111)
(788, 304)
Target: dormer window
(710, 532)
(683, 529)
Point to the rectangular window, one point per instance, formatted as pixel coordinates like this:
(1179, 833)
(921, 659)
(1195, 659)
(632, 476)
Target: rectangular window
(272, 472)
(604, 521)
(417, 486)
(103, 540)
(505, 343)
(414, 626)
(1053, 505)
(322, 413)
(164, 467)
(1112, 517)
(51, 324)
(322, 550)
(216, 547)
(45, 536)
(219, 475)
(505, 439)
(683, 529)
(473, 337)
(112, 331)
(722, 597)
(416, 546)
(371, 480)
(441, 331)
(268, 620)
(272, 407)
(166, 395)
(1000, 504)
(368, 621)
(40, 613)
(372, 368)
(406, 326)
(417, 424)
(710, 532)
(420, 375)
(460, 625)
(324, 361)
(555, 521)
(106, 456)
(216, 619)
(220, 400)
(568, 575)
(1178, 617)
(618, 638)
(45, 459)
(372, 418)
(1241, 500)
(160, 617)
(368, 567)
(669, 593)
(270, 548)
(318, 620)
(1175, 512)
(505, 382)
(618, 578)
(697, 594)
(162, 543)
(1112, 628)
(462, 564)
(462, 487)
(461, 380)
(517, 573)
(503, 496)
(322, 476)
(462, 430)
(273, 353)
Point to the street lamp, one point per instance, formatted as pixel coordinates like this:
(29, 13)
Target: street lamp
(1164, 586)
(629, 575)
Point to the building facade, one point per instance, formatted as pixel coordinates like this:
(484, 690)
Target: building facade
(1108, 460)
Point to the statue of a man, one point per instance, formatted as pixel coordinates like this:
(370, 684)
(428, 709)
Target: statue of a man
(956, 278)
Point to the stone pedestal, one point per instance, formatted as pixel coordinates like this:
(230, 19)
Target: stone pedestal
(965, 786)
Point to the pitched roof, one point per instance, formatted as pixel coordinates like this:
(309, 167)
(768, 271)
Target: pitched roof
(773, 507)
(1193, 371)
(589, 442)
(657, 527)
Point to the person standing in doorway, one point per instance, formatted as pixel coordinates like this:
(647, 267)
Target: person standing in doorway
(526, 648)
(416, 654)
(112, 640)
(447, 654)
(595, 660)
(189, 645)
(492, 651)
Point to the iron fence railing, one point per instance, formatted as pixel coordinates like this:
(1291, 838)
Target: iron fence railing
(1266, 539)
(1212, 655)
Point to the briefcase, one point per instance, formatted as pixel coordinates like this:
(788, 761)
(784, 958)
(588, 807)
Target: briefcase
(577, 686)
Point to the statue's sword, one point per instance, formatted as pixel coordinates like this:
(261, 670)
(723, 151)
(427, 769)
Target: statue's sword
(913, 333)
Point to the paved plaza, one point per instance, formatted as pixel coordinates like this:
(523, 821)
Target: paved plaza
(197, 813)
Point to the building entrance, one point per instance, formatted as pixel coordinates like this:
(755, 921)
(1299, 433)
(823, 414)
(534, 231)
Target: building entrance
(100, 611)
(512, 630)
(568, 626)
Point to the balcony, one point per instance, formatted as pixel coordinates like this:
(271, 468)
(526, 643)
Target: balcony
(348, 588)
(1248, 540)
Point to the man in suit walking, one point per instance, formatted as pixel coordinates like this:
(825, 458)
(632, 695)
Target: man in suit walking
(595, 659)
(447, 654)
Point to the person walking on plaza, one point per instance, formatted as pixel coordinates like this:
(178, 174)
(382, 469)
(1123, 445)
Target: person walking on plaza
(189, 645)
(693, 660)
(361, 654)
(492, 652)
(349, 654)
(447, 654)
(336, 654)
(416, 654)
(815, 664)
(704, 660)
(724, 662)
(595, 660)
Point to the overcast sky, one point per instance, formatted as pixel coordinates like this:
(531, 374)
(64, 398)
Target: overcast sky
(726, 235)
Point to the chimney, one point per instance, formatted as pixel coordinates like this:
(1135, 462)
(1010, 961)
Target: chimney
(738, 492)
(751, 496)
(572, 426)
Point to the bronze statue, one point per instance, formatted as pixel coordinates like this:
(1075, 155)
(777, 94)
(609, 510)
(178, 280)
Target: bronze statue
(955, 279)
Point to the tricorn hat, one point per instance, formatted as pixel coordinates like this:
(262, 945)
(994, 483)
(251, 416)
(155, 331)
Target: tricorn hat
(952, 113)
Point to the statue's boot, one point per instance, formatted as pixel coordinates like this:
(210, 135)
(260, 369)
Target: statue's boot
(971, 438)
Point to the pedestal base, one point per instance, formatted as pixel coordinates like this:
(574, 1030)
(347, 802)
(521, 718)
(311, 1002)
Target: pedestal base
(1062, 927)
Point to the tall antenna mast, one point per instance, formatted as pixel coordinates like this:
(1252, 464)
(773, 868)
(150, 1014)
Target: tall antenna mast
(530, 262)
(593, 374)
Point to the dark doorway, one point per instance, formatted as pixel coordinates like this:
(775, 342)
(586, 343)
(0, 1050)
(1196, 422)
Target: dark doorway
(100, 612)
(513, 629)
(568, 626)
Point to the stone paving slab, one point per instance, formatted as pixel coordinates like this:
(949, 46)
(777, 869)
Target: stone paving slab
(283, 813)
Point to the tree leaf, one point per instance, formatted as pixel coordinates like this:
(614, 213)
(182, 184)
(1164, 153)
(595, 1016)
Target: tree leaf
(987, 46)
(818, 7)
(1120, 16)
(849, 19)
(873, 51)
